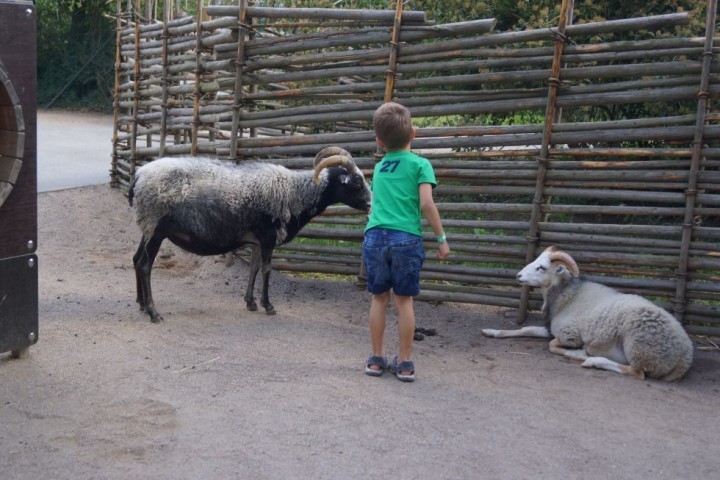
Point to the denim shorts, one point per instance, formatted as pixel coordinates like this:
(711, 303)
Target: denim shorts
(393, 259)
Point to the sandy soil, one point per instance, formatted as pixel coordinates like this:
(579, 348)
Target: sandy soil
(216, 391)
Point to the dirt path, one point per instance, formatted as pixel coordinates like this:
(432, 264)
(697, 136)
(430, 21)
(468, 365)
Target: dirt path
(219, 392)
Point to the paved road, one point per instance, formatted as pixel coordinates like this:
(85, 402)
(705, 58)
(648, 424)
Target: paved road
(73, 149)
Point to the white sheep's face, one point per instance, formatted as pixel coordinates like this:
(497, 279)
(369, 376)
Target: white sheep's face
(542, 272)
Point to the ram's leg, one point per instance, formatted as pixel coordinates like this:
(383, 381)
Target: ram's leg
(266, 269)
(607, 364)
(137, 258)
(145, 263)
(537, 332)
(575, 354)
(254, 267)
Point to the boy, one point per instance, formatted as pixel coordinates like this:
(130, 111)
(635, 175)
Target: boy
(393, 248)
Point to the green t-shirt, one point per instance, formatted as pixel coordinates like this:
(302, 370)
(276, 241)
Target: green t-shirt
(396, 199)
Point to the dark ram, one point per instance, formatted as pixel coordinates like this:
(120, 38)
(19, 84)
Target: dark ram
(208, 207)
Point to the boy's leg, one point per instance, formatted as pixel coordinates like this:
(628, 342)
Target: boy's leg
(406, 327)
(378, 310)
(407, 260)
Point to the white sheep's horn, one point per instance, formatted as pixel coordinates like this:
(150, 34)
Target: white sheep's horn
(564, 258)
(331, 162)
(328, 152)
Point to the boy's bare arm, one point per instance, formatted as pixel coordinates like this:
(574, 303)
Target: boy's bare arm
(427, 205)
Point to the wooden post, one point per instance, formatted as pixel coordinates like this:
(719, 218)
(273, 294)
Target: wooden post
(239, 87)
(542, 159)
(116, 97)
(198, 76)
(164, 79)
(394, 48)
(680, 302)
(136, 92)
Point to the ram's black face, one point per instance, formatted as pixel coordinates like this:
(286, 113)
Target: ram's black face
(353, 190)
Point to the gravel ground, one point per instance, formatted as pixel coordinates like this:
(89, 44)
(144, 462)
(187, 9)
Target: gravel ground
(216, 391)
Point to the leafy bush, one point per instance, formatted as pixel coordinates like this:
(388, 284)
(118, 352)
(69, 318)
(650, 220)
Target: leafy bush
(75, 54)
(76, 48)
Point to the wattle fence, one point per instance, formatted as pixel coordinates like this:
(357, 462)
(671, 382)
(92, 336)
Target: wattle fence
(508, 120)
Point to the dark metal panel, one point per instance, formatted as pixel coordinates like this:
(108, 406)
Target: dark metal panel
(18, 302)
(18, 178)
(18, 214)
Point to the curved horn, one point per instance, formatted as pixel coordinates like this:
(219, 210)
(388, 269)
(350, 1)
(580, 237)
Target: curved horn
(328, 152)
(346, 162)
(564, 258)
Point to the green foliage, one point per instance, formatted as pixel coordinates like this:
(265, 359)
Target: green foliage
(526, 117)
(76, 53)
(76, 37)
(440, 121)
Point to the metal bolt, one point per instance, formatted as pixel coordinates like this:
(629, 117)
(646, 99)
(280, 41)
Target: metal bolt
(30, 245)
(31, 336)
(31, 262)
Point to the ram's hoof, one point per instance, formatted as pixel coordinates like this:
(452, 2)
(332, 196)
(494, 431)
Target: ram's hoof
(155, 317)
(252, 306)
(490, 332)
(270, 310)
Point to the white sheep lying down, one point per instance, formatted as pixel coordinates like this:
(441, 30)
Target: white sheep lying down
(604, 328)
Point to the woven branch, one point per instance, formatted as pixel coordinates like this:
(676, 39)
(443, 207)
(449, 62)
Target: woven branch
(635, 200)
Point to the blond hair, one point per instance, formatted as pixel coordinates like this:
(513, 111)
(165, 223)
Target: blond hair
(393, 126)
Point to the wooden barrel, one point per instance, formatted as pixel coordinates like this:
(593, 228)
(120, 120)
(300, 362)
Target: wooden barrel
(12, 136)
